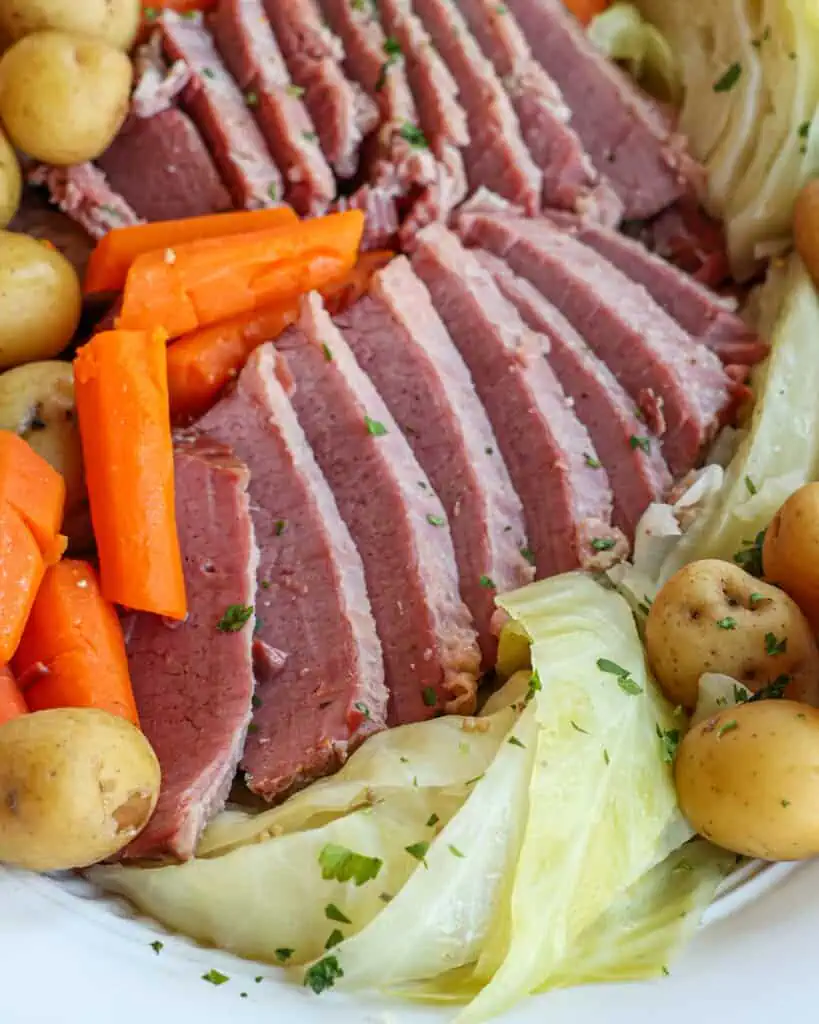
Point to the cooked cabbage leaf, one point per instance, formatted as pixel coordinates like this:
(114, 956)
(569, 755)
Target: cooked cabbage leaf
(625, 36)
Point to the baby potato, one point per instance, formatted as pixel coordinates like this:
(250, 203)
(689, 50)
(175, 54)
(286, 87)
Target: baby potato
(63, 98)
(37, 402)
(712, 616)
(40, 300)
(76, 786)
(11, 182)
(748, 779)
(114, 21)
(806, 227)
(790, 553)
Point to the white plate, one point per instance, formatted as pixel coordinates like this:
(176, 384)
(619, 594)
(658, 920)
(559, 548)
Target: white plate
(68, 956)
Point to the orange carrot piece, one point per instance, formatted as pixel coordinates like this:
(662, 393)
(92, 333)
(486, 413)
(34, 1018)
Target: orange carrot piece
(204, 282)
(115, 252)
(121, 389)
(72, 654)
(12, 704)
(202, 363)
(21, 571)
(585, 10)
(33, 488)
(347, 290)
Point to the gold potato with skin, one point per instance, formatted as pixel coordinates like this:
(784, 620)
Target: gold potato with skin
(806, 227)
(114, 21)
(748, 779)
(11, 181)
(790, 554)
(76, 786)
(63, 98)
(712, 616)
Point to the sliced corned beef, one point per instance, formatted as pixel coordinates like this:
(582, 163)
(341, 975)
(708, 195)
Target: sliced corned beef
(431, 654)
(250, 51)
(686, 236)
(636, 469)
(193, 681)
(401, 344)
(157, 84)
(343, 114)
(626, 134)
(162, 168)
(496, 156)
(83, 192)
(221, 114)
(700, 312)
(570, 180)
(678, 384)
(567, 503)
(37, 218)
(311, 599)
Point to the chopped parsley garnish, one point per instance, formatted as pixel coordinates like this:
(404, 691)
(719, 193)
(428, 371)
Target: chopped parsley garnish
(362, 709)
(273, 191)
(669, 741)
(785, 803)
(323, 974)
(374, 428)
(773, 691)
(157, 947)
(430, 697)
(628, 685)
(728, 727)
(643, 443)
(309, 136)
(535, 686)
(418, 851)
(332, 913)
(340, 864)
(236, 616)
(253, 727)
(215, 977)
(335, 936)
(750, 486)
(727, 81)
(513, 741)
(279, 528)
(392, 48)
(606, 757)
(255, 701)
(489, 450)
(592, 462)
(282, 955)
(727, 623)
(252, 99)
(804, 130)
(502, 9)
(432, 821)
(150, 13)
(455, 851)
(755, 600)
(488, 582)
(208, 72)
(412, 134)
(749, 557)
(436, 520)
(474, 779)
(602, 543)
(296, 91)
(385, 897)
(529, 555)
(579, 728)
(624, 680)
(774, 646)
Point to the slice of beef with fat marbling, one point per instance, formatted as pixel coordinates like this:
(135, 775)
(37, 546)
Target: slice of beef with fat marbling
(567, 503)
(399, 341)
(431, 653)
(193, 680)
(319, 669)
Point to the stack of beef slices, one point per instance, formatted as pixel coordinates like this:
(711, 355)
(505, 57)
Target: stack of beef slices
(401, 108)
(502, 405)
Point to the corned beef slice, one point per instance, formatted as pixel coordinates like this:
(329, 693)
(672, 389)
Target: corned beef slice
(249, 49)
(678, 384)
(496, 156)
(83, 192)
(221, 114)
(193, 682)
(343, 114)
(697, 310)
(638, 476)
(401, 344)
(569, 176)
(567, 503)
(626, 134)
(161, 167)
(311, 598)
(431, 654)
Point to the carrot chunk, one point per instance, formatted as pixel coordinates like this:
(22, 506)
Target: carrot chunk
(12, 704)
(32, 487)
(21, 571)
(115, 252)
(585, 10)
(121, 387)
(72, 654)
(200, 283)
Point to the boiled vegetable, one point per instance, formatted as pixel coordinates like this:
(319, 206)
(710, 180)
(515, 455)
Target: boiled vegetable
(33, 488)
(41, 300)
(152, 9)
(122, 402)
(623, 35)
(37, 402)
(790, 552)
(76, 786)
(114, 21)
(714, 617)
(201, 283)
(72, 653)
(12, 704)
(585, 10)
(806, 227)
(63, 98)
(21, 570)
(747, 779)
(11, 181)
(114, 254)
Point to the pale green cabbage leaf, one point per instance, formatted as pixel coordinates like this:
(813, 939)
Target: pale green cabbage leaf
(625, 36)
